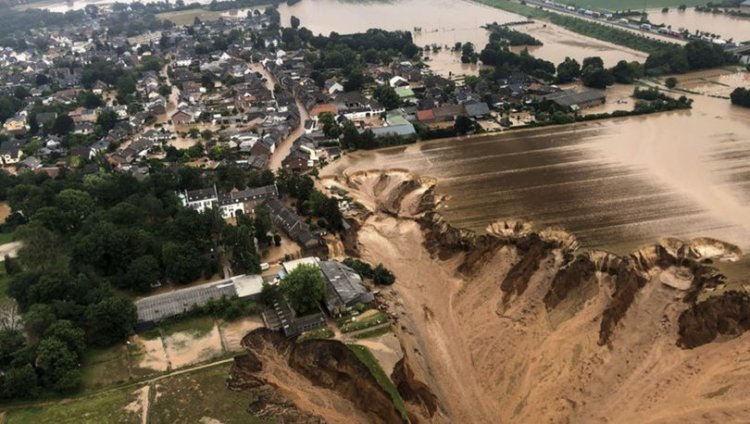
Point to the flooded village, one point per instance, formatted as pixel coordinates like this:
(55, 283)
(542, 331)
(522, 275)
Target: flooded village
(364, 211)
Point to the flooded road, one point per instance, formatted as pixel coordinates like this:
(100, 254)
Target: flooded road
(723, 25)
(615, 184)
(445, 22)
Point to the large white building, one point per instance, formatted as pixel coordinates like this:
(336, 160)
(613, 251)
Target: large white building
(230, 204)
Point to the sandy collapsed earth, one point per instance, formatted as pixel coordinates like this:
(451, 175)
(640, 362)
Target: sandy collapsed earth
(506, 332)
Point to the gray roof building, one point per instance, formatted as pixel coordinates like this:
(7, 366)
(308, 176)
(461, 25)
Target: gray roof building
(345, 288)
(158, 307)
(580, 99)
(402, 130)
(477, 109)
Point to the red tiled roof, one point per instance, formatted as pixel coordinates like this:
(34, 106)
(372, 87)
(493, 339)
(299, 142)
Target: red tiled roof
(325, 107)
(425, 115)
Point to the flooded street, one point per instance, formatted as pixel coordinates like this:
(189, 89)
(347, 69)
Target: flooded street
(445, 22)
(726, 26)
(615, 184)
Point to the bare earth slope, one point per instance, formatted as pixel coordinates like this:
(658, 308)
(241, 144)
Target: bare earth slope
(518, 327)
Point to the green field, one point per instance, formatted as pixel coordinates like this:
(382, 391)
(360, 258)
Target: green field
(105, 366)
(360, 324)
(633, 4)
(6, 237)
(198, 397)
(107, 407)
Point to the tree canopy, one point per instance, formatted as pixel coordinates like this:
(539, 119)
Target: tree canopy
(304, 288)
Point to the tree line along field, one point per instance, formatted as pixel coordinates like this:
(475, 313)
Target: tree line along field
(194, 397)
(633, 4)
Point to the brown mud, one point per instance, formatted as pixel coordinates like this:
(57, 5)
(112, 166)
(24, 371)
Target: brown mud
(312, 381)
(518, 325)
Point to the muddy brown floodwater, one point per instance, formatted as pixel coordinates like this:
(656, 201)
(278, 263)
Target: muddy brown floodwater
(445, 22)
(615, 184)
(725, 26)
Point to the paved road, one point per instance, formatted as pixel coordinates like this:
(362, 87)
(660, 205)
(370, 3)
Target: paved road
(615, 24)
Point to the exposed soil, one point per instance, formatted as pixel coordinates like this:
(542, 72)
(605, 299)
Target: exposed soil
(517, 327)
(184, 348)
(311, 381)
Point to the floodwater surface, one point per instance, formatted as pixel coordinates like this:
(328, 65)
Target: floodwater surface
(445, 22)
(615, 184)
(726, 26)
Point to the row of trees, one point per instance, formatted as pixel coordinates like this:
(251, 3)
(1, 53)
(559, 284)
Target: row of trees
(695, 55)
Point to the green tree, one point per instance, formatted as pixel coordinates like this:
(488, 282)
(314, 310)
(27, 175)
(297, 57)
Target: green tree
(568, 70)
(627, 72)
(63, 125)
(182, 262)
(295, 22)
(69, 334)
(143, 273)
(304, 287)
(331, 128)
(11, 341)
(110, 320)
(57, 364)
(107, 120)
(38, 318)
(382, 275)
(671, 82)
(244, 257)
(594, 61)
(74, 206)
(468, 54)
(89, 100)
(597, 77)
(741, 97)
(463, 124)
(386, 95)
(20, 383)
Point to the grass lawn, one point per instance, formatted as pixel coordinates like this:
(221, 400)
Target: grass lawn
(360, 324)
(321, 333)
(367, 358)
(107, 407)
(373, 333)
(102, 367)
(201, 396)
(6, 237)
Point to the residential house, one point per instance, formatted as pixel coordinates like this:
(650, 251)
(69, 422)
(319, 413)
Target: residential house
(181, 117)
(332, 87)
(447, 112)
(344, 288)
(245, 201)
(11, 151)
(477, 110)
(200, 200)
(15, 125)
(354, 105)
(292, 224)
(46, 118)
